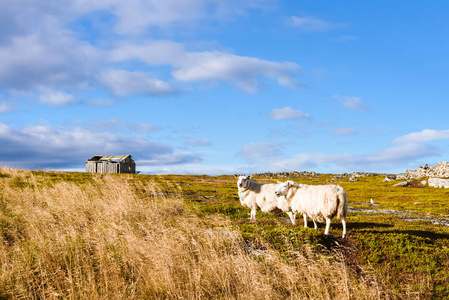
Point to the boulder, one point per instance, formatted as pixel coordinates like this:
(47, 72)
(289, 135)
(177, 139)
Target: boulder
(438, 182)
(404, 183)
(441, 170)
(389, 178)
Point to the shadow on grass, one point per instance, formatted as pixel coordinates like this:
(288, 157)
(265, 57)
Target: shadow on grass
(417, 233)
(362, 225)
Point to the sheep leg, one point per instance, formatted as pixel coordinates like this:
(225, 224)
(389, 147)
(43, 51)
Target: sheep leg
(343, 222)
(253, 214)
(314, 224)
(328, 225)
(305, 220)
(292, 217)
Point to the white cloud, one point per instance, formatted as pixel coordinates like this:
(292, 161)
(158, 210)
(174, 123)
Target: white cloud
(99, 102)
(426, 135)
(48, 52)
(260, 152)
(311, 161)
(394, 157)
(55, 98)
(155, 52)
(199, 142)
(167, 159)
(135, 16)
(244, 72)
(310, 24)
(124, 83)
(119, 125)
(354, 103)
(288, 113)
(34, 60)
(345, 131)
(402, 153)
(247, 73)
(7, 107)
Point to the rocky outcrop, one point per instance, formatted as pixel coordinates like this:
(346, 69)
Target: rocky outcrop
(441, 170)
(438, 175)
(293, 174)
(439, 183)
(353, 177)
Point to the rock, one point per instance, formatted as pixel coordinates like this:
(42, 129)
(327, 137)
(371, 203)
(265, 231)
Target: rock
(404, 183)
(403, 176)
(389, 178)
(363, 174)
(423, 182)
(341, 176)
(287, 175)
(438, 182)
(441, 170)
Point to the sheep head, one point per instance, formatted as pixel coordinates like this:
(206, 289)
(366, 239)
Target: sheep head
(282, 189)
(243, 181)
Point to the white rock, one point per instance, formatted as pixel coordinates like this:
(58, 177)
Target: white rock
(438, 182)
(404, 183)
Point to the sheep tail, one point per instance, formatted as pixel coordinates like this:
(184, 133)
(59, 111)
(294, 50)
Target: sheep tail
(342, 204)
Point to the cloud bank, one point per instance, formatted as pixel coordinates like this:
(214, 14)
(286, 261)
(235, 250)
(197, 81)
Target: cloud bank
(46, 147)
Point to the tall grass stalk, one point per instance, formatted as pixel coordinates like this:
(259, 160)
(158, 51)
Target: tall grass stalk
(117, 237)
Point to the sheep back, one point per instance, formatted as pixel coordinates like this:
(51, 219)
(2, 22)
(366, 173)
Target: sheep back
(320, 201)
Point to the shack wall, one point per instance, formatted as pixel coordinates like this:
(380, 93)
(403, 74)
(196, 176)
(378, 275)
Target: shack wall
(110, 167)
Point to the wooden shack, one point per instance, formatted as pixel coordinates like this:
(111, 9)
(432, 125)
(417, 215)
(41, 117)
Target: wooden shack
(111, 164)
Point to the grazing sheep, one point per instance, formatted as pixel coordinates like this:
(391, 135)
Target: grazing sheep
(259, 197)
(319, 202)
(285, 206)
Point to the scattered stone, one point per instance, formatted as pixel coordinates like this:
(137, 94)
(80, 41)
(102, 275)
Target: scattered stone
(423, 182)
(404, 183)
(439, 182)
(341, 176)
(363, 174)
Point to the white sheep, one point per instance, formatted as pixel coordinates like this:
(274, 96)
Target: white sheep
(319, 202)
(284, 206)
(259, 196)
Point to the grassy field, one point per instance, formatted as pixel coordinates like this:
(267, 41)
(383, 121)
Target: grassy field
(116, 236)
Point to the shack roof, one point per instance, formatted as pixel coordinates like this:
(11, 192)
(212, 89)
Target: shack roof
(109, 158)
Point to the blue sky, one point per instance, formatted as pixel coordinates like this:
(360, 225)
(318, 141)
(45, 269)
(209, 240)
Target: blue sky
(222, 87)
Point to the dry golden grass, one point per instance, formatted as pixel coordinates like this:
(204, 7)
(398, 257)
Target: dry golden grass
(120, 238)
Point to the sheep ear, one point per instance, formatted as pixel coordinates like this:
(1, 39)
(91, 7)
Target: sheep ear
(249, 177)
(236, 176)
